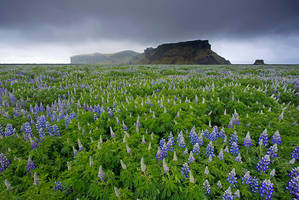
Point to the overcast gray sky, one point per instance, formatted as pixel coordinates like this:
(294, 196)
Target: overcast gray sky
(41, 31)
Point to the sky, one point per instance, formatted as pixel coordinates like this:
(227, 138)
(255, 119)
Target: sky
(50, 31)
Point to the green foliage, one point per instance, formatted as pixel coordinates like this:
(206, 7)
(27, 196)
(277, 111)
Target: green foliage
(164, 99)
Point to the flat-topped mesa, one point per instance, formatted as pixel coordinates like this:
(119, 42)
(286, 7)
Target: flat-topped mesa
(189, 52)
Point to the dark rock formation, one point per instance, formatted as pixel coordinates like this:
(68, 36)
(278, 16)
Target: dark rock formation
(259, 62)
(190, 52)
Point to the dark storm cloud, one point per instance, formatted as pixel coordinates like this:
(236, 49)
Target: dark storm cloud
(53, 30)
(148, 21)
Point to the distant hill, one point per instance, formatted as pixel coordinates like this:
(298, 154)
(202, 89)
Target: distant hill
(189, 52)
(122, 57)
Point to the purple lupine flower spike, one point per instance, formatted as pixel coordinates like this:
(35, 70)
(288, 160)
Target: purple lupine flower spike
(263, 164)
(276, 139)
(210, 150)
(234, 149)
(101, 174)
(231, 178)
(4, 162)
(247, 141)
(185, 170)
(266, 189)
(30, 165)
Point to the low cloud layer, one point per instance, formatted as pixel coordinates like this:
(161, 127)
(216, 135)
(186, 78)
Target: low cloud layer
(52, 31)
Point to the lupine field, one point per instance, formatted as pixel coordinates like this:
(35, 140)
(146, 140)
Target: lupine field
(149, 132)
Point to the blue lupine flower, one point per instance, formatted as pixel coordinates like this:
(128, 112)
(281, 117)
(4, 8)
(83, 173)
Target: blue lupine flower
(293, 186)
(219, 184)
(247, 141)
(236, 121)
(230, 124)
(216, 130)
(246, 179)
(1, 130)
(101, 174)
(4, 162)
(185, 170)
(231, 178)
(193, 136)
(233, 138)
(55, 130)
(170, 142)
(186, 151)
(200, 139)
(210, 150)
(272, 151)
(266, 189)
(169, 146)
(221, 133)
(80, 145)
(125, 128)
(33, 144)
(61, 116)
(9, 130)
(49, 128)
(41, 122)
(30, 165)
(41, 108)
(54, 116)
(73, 115)
(207, 187)
(238, 158)
(66, 120)
(159, 154)
(164, 150)
(237, 194)
(234, 149)
(191, 158)
(226, 149)
(74, 152)
(95, 117)
(206, 133)
(276, 139)
(181, 141)
(227, 195)
(294, 172)
(295, 153)
(263, 164)
(196, 149)
(162, 142)
(254, 185)
(220, 155)
(138, 124)
(58, 186)
(264, 137)
(213, 135)
(28, 130)
(41, 133)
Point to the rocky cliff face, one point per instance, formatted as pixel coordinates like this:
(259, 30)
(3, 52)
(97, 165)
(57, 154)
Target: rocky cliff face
(190, 52)
(259, 62)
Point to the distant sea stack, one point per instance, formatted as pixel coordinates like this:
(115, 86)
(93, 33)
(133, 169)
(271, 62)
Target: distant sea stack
(259, 62)
(189, 52)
